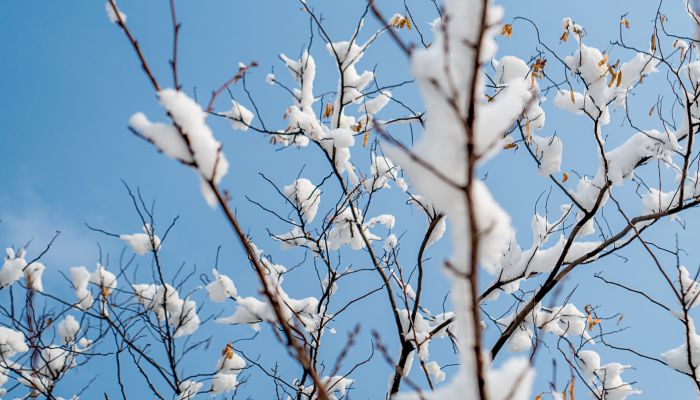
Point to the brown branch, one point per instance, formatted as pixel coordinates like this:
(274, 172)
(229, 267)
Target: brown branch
(122, 24)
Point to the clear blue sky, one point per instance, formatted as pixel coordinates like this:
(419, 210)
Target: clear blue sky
(70, 81)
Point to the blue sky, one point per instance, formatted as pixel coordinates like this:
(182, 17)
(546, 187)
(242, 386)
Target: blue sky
(70, 82)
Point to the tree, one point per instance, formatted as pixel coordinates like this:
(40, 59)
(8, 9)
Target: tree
(480, 110)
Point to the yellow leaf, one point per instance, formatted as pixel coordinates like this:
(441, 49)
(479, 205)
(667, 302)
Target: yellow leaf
(571, 388)
(510, 146)
(565, 177)
(400, 21)
(507, 30)
(104, 292)
(328, 110)
(364, 140)
(653, 44)
(612, 80)
(528, 132)
(573, 99)
(603, 61)
(564, 36)
(592, 322)
(619, 79)
(625, 22)
(538, 397)
(490, 99)
(539, 64)
(228, 351)
(587, 309)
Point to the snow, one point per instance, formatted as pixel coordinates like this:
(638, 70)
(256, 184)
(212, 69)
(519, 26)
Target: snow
(571, 101)
(305, 196)
(15, 267)
(370, 108)
(493, 223)
(222, 383)
(443, 147)
(165, 302)
(567, 23)
(654, 144)
(512, 70)
(601, 93)
(103, 279)
(189, 139)
(373, 106)
(80, 278)
(111, 15)
(141, 242)
(346, 233)
(68, 329)
(382, 171)
(189, 389)
(11, 343)
(32, 276)
(566, 321)
(655, 201)
(419, 331)
(251, 311)
(548, 151)
(681, 44)
(221, 288)
(336, 385)
(240, 116)
(387, 220)
(351, 84)
(228, 367)
(512, 381)
(438, 232)
(689, 288)
(390, 242)
(342, 137)
(12, 268)
(189, 116)
(497, 116)
(164, 136)
(539, 258)
(604, 379)
(677, 358)
(297, 237)
(604, 89)
(435, 371)
(54, 361)
(304, 72)
(693, 71)
(621, 163)
(590, 362)
(303, 123)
